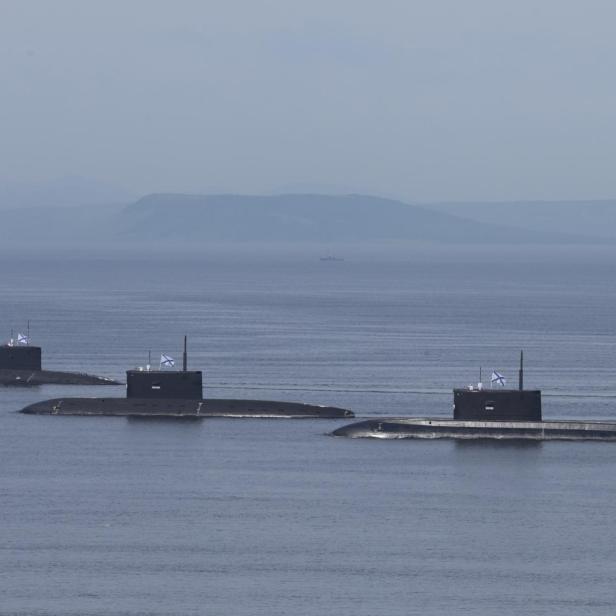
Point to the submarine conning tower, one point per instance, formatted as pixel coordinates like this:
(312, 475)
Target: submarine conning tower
(165, 384)
(479, 404)
(18, 357)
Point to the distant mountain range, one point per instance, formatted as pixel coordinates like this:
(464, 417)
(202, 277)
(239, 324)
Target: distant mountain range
(302, 218)
(199, 220)
(588, 218)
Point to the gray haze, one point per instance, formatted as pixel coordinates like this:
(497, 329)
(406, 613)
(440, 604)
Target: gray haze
(441, 100)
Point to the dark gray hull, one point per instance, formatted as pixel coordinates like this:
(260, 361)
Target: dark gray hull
(433, 428)
(174, 408)
(51, 377)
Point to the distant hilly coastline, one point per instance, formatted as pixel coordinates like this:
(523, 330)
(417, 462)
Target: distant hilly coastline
(302, 218)
(168, 219)
(312, 218)
(592, 218)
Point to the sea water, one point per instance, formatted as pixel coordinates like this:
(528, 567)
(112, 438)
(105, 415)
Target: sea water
(107, 516)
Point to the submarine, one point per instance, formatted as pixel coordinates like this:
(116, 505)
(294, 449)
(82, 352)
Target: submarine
(480, 413)
(178, 394)
(20, 364)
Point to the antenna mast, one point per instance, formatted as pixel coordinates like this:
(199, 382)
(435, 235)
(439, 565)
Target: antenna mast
(184, 358)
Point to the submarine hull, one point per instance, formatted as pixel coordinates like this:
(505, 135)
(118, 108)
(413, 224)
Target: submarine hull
(50, 377)
(433, 428)
(183, 408)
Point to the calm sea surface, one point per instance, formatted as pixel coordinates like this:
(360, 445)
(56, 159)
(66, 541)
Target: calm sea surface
(105, 516)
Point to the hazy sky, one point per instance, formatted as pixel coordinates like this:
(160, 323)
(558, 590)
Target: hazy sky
(431, 100)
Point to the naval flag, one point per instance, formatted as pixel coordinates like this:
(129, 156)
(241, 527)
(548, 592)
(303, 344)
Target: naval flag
(167, 360)
(498, 378)
(22, 339)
